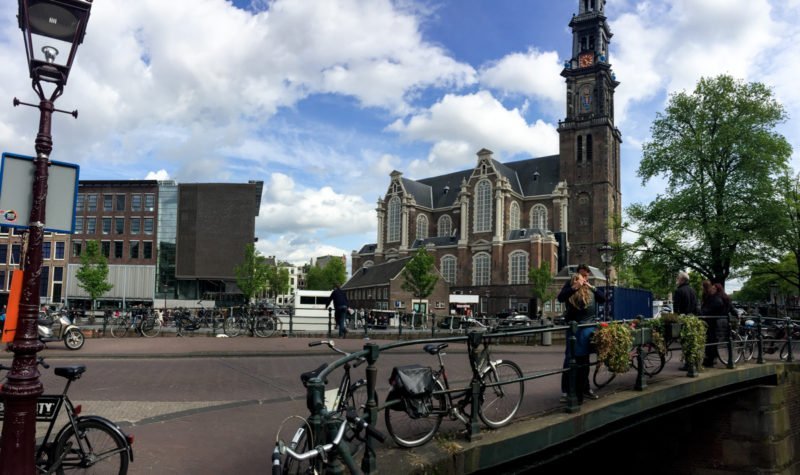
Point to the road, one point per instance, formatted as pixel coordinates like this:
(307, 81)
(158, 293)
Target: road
(199, 411)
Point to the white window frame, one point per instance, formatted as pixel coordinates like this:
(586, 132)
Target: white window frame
(518, 262)
(483, 207)
(393, 225)
(445, 226)
(539, 217)
(448, 264)
(481, 275)
(514, 216)
(422, 227)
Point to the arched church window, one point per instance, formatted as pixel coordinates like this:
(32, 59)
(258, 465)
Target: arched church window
(539, 217)
(422, 227)
(448, 266)
(589, 148)
(518, 268)
(513, 216)
(445, 226)
(579, 148)
(481, 269)
(483, 206)
(393, 222)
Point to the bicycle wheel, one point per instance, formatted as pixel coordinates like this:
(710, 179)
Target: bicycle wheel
(119, 327)
(795, 351)
(410, 432)
(738, 348)
(356, 399)
(602, 375)
(654, 360)
(500, 403)
(749, 347)
(299, 443)
(232, 326)
(151, 327)
(264, 327)
(94, 449)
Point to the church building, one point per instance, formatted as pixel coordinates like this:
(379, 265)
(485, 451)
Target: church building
(488, 225)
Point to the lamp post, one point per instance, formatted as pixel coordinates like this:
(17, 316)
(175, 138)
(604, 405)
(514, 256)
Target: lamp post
(607, 256)
(52, 30)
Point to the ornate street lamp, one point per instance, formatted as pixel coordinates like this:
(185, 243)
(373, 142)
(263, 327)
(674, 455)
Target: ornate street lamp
(52, 30)
(607, 256)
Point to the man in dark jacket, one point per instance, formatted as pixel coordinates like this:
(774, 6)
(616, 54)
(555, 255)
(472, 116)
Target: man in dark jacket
(684, 298)
(340, 306)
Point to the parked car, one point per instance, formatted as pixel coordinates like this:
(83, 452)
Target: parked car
(516, 320)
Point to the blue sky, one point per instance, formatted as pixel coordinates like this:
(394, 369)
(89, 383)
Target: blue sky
(322, 99)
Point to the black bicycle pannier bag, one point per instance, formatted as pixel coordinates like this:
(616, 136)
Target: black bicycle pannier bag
(413, 384)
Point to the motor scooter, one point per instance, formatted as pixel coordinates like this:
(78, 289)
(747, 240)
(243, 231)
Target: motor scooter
(60, 328)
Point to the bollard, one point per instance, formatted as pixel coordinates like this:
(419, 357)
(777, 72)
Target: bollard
(547, 336)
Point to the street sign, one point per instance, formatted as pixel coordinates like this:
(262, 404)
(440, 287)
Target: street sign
(16, 193)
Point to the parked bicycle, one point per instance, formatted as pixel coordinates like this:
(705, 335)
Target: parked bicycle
(653, 359)
(314, 456)
(86, 444)
(348, 395)
(247, 319)
(501, 389)
(145, 323)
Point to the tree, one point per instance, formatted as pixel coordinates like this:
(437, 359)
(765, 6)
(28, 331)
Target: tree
(277, 280)
(251, 274)
(93, 273)
(541, 280)
(419, 275)
(720, 155)
(325, 278)
(785, 262)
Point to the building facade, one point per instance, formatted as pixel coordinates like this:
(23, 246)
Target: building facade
(487, 226)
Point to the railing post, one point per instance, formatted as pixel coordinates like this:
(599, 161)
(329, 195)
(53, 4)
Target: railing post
(572, 378)
(330, 317)
(474, 339)
(641, 384)
(291, 322)
(368, 463)
(433, 325)
(789, 330)
(729, 333)
(760, 339)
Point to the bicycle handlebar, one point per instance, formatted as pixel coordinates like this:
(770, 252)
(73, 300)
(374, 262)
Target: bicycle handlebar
(332, 345)
(351, 418)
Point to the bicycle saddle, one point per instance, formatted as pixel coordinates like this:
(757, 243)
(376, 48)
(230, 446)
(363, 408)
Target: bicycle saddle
(71, 372)
(434, 348)
(305, 377)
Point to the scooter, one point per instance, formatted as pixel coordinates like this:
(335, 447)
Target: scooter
(60, 328)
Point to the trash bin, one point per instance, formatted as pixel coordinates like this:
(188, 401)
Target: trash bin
(547, 337)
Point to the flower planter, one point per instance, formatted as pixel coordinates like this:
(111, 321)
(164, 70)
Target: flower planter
(642, 336)
(672, 331)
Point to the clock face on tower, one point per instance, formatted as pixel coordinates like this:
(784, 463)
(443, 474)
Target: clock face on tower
(585, 60)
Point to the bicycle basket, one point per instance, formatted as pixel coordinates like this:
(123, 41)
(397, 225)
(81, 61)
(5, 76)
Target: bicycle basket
(413, 384)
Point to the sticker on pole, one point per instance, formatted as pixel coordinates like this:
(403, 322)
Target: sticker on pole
(16, 193)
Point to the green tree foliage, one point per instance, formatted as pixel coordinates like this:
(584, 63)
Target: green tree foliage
(785, 262)
(325, 278)
(277, 280)
(93, 273)
(251, 274)
(419, 275)
(541, 281)
(720, 156)
(643, 270)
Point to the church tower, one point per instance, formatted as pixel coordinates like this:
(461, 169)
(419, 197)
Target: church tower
(589, 141)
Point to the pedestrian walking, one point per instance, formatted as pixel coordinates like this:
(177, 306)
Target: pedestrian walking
(684, 298)
(340, 306)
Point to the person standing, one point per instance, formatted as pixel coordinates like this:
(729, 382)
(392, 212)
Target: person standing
(684, 298)
(713, 307)
(580, 298)
(340, 306)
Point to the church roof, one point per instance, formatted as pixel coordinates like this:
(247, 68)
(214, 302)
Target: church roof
(379, 274)
(531, 177)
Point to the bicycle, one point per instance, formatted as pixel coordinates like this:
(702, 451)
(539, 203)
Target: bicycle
(653, 359)
(247, 320)
(146, 324)
(315, 457)
(348, 395)
(86, 443)
(501, 389)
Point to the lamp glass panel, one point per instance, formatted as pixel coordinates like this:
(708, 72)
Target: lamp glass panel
(52, 20)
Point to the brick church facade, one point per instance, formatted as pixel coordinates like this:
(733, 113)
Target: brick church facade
(487, 226)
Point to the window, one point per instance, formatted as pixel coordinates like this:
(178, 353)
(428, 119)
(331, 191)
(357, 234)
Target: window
(106, 225)
(393, 224)
(58, 279)
(481, 267)
(147, 250)
(539, 217)
(60, 249)
(483, 206)
(149, 202)
(513, 216)
(134, 249)
(105, 249)
(589, 148)
(76, 248)
(5, 230)
(579, 148)
(120, 203)
(136, 202)
(16, 250)
(80, 202)
(422, 227)
(78, 225)
(46, 249)
(3, 253)
(518, 268)
(119, 225)
(91, 225)
(136, 225)
(148, 225)
(3, 280)
(44, 281)
(91, 204)
(449, 269)
(445, 226)
(108, 201)
(118, 245)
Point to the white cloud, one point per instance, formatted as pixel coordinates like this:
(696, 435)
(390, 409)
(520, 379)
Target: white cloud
(159, 175)
(534, 74)
(459, 126)
(298, 249)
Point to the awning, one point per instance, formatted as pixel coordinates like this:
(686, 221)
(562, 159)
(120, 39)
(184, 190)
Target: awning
(460, 298)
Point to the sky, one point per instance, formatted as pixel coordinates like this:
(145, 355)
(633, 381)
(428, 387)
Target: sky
(323, 99)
